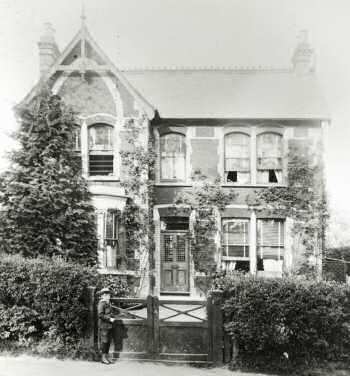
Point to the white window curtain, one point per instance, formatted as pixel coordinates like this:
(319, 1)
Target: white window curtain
(237, 158)
(173, 156)
(269, 158)
(101, 158)
(100, 137)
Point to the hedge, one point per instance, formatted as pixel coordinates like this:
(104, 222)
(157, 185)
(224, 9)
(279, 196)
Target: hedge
(284, 322)
(43, 303)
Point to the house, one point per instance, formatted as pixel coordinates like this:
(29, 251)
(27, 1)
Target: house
(231, 124)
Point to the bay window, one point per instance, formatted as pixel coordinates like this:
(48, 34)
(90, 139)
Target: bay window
(172, 157)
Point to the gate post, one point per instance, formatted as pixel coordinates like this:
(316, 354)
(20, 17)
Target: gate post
(216, 324)
(150, 324)
(155, 327)
(91, 334)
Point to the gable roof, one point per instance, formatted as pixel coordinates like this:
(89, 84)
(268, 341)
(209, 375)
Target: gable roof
(229, 93)
(105, 65)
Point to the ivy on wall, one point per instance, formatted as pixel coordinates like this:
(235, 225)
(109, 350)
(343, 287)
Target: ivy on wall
(303, 200)
(138, 160)
(205, 199)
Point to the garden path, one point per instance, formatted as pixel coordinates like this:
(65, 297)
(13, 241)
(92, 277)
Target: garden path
(31, 366)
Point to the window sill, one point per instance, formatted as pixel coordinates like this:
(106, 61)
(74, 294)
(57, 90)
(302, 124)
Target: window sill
(102, 178)
(224, 185)
(117, 272)
(229, 258)
(233, 185)
(173, 183)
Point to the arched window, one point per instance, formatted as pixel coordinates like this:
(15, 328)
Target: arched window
(237, 158)
(269, 158)
(100, 149)
(172, 156)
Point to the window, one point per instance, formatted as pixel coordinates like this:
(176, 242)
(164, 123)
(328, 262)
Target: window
(270, 239)
(77, 145)
(77, 138)
(172, 156)
(235, 239)
(101, 150)
(237, 158)
(269, 158)
(108, 238)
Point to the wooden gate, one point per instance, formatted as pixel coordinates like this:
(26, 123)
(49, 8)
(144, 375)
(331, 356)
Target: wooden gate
(169, 330)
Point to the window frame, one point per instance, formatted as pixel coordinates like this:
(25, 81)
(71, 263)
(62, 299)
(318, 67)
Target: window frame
(281, 157)
(280, 247)
(246, 244)
(110, 152)
(184, 145)
(104, 241)
(249, 138)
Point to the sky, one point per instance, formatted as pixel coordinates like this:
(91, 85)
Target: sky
(168, 33)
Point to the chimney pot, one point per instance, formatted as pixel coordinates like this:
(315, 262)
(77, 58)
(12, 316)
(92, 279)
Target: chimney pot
(303, 58)
(48, 49)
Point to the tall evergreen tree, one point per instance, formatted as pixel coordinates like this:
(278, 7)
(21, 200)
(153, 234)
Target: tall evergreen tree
(44, 199)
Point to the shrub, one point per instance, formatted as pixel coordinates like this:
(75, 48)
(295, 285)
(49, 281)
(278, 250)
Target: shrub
(293, 320)
(19, 324)
(44, 300)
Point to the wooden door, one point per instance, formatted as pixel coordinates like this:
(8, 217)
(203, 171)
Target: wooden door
(174, 261)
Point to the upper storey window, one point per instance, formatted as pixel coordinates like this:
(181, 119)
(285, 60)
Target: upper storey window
(269, 158)
(237, 158)
(172, 157)
(101, 150)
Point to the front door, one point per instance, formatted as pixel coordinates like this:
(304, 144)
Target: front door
(174, 262)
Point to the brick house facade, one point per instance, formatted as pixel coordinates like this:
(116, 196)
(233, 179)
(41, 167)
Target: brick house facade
(234, 125)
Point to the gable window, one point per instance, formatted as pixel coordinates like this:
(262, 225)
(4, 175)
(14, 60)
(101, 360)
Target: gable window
(269, 158)
(237, 158)
(172, 157)
(101, 150)
(270, 239)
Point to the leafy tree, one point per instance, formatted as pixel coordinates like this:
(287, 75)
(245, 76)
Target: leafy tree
(45, 201)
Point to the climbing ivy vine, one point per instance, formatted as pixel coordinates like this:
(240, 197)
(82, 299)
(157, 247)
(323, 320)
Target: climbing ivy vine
(303, 200)
(137, 164)
(206, 200)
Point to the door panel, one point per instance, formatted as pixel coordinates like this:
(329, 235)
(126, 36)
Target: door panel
(174, 262)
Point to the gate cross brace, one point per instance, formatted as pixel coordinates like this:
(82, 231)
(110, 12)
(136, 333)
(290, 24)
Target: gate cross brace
(126, 311)
(186, 312)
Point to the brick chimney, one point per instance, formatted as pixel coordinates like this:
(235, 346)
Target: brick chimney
(48, 49)
(303, 57)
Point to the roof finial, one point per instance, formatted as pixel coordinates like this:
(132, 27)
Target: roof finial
(83, 15)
